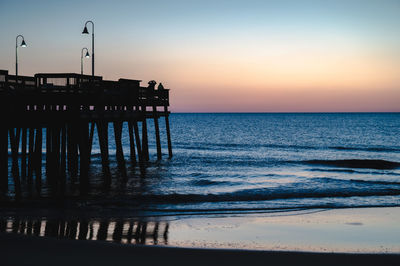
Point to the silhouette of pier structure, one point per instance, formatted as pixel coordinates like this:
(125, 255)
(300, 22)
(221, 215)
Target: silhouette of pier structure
(127, 231)
(60, 112)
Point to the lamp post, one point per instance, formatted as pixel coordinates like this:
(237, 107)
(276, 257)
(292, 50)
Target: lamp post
(87, 56)
(85, 31)
(23, 44)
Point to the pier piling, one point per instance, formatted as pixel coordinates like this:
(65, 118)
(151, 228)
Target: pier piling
(157, 130)
(31, 155)
(119, 149)
(168, 132)
(38, 159)
(132, 143)
(3, 159)
(23, 153)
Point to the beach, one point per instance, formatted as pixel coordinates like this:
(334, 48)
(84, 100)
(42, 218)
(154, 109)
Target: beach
(363, 236)
(361, 230)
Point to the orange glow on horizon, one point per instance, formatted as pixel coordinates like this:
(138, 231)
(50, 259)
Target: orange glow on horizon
(264, 56)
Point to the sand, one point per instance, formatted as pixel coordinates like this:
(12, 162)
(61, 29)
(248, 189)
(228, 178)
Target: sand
(367, 236)
(28, 250)
(354, 230)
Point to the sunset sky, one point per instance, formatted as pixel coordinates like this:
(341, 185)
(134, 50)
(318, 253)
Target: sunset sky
(222, 56)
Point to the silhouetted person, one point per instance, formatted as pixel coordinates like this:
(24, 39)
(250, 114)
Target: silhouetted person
(160, 86)
(152, 84)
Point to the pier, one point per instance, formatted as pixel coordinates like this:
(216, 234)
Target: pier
(59, 112)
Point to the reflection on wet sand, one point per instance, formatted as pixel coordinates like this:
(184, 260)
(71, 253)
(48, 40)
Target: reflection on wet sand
(126, 231)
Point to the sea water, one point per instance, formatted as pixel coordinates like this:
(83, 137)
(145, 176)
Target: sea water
(234, 163)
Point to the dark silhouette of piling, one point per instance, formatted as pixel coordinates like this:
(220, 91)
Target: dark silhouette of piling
(72, 149)
(163, 97)
(91, 135)
(3, 159)
(84, 155)
(23, 153)
(118, 145)
(14, 141)
(102, 130)
(132, 143)
(145, 144)
(151, 90)
(38, 159)
(137, 137)
(31, 155)
(63, 159)
(48, 152)
(168, 132)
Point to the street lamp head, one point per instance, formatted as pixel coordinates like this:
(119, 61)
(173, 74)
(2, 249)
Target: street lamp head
(23, 43)
(87, 54)
(85, 31)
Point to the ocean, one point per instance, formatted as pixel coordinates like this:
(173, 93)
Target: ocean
(239, 163)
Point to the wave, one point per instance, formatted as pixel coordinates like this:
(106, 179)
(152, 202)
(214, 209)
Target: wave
(352, 171)
(219, 146)
(357, 163)
(207, 182)
(334, 170)
(377, 149)
(359, 181)
(336, 189)
(237, 211)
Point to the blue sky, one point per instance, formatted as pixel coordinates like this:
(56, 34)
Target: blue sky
(204, 49)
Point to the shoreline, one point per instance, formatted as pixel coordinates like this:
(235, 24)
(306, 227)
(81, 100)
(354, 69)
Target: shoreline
(349, 231)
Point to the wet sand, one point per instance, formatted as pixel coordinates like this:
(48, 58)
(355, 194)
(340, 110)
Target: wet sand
(354, 230)
(368, 236)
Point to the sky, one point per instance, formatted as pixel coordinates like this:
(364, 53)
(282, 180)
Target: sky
(222, 56)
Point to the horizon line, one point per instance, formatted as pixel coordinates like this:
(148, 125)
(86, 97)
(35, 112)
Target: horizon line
(294, 112)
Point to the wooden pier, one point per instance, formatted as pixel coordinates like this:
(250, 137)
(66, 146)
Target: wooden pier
(60, 112)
